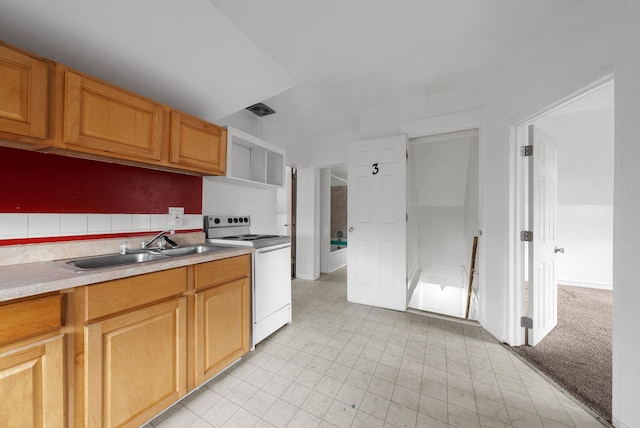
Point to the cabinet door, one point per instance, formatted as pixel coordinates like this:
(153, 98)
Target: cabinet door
(105, 120)
(32, 385)
(23, 94)
(223, 317)
(135, 365)
(198, 145)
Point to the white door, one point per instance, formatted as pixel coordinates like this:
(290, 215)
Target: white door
(543, 201)
(376, 217)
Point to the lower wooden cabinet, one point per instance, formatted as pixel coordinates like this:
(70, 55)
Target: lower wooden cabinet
(136, 365)
(222, 314)
(32, 385)
(117, 353)
(223, 321)
(32, 362)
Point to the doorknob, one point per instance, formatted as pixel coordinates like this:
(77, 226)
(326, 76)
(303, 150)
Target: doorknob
(351, 229)
(558, 250)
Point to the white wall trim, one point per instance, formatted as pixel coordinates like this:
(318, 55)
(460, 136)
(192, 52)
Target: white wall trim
(582, 284)
(517, 193)
(443, 124)
(514, 333)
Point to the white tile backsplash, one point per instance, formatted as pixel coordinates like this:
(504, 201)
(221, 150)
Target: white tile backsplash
(17, 226)
(73, 224)
(159, 221)
(191, 221)
(14, 226)
(44, 225)
(122, 222)
(141, 222)
(99, 223)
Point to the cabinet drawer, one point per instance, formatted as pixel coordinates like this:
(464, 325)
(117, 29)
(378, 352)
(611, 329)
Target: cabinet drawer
(127, 293)
(28, 318)
(222, 271)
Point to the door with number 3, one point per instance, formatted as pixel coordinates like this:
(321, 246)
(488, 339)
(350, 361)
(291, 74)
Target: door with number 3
(376, 272)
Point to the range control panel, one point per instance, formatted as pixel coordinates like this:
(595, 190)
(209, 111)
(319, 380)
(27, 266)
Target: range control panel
(226, 221)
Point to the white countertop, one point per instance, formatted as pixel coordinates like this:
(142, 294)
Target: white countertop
(30, 279)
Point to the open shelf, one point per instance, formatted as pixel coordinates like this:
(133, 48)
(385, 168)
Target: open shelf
(253, 161)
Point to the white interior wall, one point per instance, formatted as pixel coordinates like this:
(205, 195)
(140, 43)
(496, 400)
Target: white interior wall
(444, 186)
(325, 220)
(585, 194)
(586, 233)
(308, 224)
(471, 202)
(412, 221)
(226, 198)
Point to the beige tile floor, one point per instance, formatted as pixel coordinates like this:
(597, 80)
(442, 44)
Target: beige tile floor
(346, 365)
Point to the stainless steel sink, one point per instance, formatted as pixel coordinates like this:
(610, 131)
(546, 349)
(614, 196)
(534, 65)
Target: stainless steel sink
(111, 260)
(195, 249)
(139, 256)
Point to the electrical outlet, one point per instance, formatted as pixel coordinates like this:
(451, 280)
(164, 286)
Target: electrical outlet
(176, 215)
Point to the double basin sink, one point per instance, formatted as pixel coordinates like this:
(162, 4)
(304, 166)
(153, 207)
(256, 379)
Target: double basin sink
(137, 256)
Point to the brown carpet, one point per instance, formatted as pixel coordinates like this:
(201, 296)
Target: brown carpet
(577, 353)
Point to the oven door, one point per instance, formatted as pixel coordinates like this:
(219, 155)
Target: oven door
(271, 281)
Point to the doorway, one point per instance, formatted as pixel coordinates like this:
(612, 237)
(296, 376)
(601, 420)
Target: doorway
(577, 352)
(334, 188)
(443, 216)
(286, 211)
(582, 217)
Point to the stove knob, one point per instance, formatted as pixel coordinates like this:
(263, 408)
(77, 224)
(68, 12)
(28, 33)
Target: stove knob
(217, 220)
(241, 220)
(230, 220)
(235, 220)
(246, 219)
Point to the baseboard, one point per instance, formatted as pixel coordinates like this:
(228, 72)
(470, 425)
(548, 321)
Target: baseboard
(307, 277)
(599, 286)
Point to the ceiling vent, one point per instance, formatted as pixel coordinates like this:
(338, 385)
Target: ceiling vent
(261, 109)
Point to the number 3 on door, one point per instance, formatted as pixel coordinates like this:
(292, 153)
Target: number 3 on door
(375, 168)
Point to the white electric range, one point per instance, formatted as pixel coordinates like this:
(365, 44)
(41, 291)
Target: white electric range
(271, 271)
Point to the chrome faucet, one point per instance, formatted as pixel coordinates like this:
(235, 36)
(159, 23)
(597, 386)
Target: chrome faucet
(163, 234)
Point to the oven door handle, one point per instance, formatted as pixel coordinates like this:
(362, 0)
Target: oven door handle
(270, 249)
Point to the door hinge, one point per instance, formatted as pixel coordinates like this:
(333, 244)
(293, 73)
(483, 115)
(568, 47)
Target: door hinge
(526, 322)
(526, 150)
(526, 236)
(407, 153)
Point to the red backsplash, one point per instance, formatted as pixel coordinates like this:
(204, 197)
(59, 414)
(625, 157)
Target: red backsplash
(33, 182)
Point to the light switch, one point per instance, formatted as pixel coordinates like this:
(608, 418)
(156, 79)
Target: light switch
(176, 216)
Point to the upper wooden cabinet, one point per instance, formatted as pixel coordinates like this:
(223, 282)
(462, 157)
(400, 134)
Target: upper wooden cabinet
(23, 95)
(197, 145)
(48, 105)
(105, 120)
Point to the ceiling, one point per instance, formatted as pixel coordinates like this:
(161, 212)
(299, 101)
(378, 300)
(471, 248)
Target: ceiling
(320, 64)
